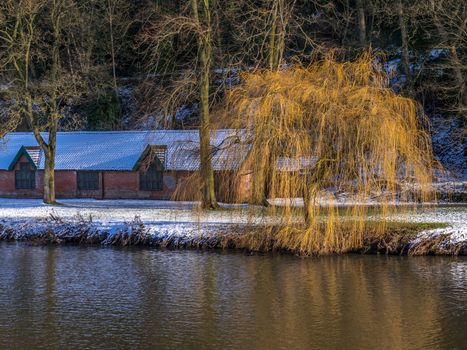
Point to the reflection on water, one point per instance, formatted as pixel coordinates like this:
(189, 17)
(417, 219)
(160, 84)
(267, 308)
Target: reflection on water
(81, 298)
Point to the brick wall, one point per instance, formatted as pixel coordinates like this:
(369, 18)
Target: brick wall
(65, 184)
(112, 185)
(7, 183)
(125, 184)
(7, 186)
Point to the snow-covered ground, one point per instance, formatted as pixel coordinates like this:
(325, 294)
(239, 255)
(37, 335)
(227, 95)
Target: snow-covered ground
(159, 217)
(454, 216)
(107, 211)
(179, 218)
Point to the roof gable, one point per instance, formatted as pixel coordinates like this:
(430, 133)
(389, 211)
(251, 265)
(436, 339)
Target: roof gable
(32, 154)
(154, 152)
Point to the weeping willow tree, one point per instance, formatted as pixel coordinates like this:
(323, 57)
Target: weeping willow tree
(331, 128)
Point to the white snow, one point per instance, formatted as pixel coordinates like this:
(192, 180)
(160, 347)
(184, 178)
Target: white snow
(455, 217)
(436, 53)
(120, 211)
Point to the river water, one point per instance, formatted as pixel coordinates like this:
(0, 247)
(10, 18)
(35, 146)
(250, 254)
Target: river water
(66, 297)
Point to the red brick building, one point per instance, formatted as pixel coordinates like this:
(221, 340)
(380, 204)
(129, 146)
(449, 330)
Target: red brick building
(114, 165)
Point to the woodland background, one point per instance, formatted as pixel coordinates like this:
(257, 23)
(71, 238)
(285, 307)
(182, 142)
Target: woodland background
(139, 64)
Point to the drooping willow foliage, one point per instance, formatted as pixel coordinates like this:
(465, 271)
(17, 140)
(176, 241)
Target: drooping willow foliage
(327, 129)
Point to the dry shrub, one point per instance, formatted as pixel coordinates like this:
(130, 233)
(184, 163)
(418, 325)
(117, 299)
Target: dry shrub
(329, 128)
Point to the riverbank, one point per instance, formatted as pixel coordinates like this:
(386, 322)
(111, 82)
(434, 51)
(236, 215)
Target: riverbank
(429, 230)
(400, 238)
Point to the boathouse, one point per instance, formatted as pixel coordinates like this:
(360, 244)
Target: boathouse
(114, 165)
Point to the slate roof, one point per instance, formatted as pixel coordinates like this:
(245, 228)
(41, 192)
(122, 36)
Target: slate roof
(120, 150)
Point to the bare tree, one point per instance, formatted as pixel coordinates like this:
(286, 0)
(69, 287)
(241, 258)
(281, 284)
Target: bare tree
(39, 99)
(268, 30)
(449, 18)
(194, 25)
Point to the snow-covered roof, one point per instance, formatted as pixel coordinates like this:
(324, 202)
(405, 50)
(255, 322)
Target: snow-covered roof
(120, 150)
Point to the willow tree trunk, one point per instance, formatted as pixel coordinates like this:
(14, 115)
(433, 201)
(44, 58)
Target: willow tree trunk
(260, 187)
(208, 200)
(306, 206)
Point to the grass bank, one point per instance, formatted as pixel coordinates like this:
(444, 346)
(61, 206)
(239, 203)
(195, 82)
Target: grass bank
(397, 238)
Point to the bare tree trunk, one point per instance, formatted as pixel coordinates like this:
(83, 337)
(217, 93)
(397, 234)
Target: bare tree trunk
(361, 23)
(405, 45)
(49, 149)
(110, 11)
(276, 35)
(272, 38)
(25, 30)
(49, 173)
(205, 45)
